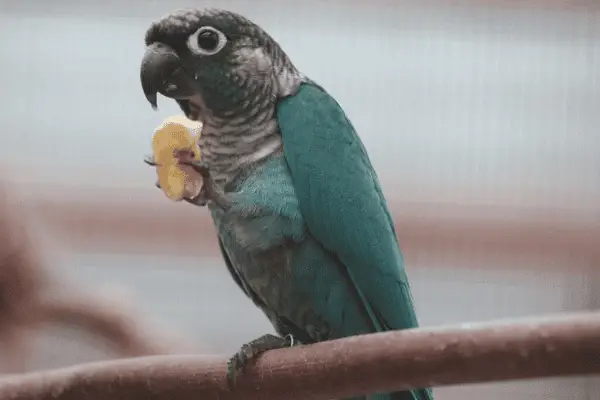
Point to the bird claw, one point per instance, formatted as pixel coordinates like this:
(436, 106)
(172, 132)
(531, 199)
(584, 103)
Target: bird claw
(253, 349)
(150, 161)
(200, 200)
(210, 191)
(200, 167)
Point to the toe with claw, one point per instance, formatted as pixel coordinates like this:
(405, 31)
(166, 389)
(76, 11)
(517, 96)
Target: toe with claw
(199, 200)
(253, 349)
(150, 161)
(210, 191)
(200, 167)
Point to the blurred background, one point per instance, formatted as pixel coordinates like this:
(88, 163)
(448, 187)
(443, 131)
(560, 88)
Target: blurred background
(481, 118)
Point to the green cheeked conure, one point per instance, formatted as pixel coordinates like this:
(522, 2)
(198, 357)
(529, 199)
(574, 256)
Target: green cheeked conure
(302, 223)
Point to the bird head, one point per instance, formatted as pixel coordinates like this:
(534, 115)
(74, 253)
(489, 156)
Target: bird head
(214, 63)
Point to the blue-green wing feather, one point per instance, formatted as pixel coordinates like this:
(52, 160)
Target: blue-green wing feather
(342, 203)
(343, 206)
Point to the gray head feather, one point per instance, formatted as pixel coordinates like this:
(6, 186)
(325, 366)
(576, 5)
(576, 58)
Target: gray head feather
(237, 87)
(252, 53)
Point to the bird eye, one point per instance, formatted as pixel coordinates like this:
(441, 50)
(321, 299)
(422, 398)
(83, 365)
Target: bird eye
(206, 41)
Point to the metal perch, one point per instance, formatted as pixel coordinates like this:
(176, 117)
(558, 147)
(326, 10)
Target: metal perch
(469, 353)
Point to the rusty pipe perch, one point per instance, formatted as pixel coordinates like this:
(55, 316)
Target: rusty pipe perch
(468, 353)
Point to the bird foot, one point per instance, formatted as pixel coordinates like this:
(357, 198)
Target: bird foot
(210, 190)
(253, 349)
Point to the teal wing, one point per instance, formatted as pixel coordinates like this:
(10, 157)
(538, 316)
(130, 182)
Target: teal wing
(343, 206)
(342, 203)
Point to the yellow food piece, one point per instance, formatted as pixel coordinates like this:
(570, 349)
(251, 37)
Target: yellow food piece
(176, 133)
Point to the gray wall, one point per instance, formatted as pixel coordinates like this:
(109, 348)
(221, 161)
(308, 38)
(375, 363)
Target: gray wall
(497, 103)
(454, 105)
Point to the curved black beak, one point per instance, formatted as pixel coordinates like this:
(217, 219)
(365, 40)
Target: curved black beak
(162, 72)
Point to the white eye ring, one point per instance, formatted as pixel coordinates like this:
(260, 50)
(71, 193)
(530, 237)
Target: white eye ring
(206, 41)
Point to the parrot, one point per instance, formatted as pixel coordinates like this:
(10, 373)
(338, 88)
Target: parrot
(302, 223)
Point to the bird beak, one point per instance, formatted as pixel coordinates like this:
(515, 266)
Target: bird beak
(162, 72)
